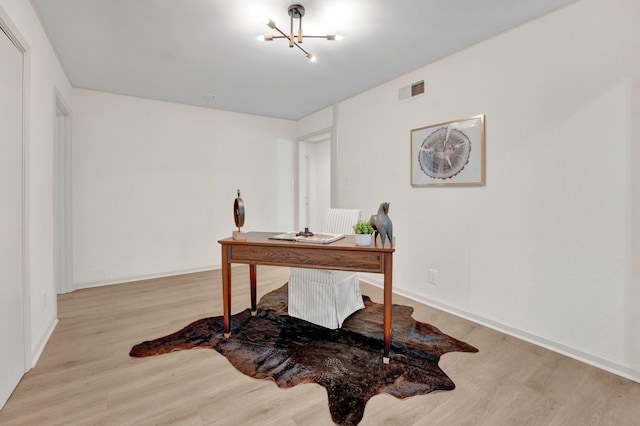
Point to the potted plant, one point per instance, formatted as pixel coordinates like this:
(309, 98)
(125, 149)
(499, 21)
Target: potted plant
(363, 231)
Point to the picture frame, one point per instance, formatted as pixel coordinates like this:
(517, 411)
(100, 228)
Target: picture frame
(449, 153)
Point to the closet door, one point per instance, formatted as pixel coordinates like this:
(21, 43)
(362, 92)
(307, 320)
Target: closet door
(12, 360)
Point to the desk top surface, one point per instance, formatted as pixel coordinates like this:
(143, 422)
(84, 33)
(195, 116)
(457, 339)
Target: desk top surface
(348, 242)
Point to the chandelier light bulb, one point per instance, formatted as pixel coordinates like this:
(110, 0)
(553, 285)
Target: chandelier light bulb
(267, 21)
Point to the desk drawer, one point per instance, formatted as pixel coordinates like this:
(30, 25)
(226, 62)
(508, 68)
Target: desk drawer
(308, 257)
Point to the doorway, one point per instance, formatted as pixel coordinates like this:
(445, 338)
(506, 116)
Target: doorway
(13, 322)
(63, 266)
(314, 180)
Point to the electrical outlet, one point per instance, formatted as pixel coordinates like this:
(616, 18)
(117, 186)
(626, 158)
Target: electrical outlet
(433, 276)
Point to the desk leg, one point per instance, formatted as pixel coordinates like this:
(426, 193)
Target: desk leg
(226, 290)
(252, 279)
(388, 302)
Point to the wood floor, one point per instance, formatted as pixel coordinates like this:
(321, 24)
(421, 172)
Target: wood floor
(86, 377)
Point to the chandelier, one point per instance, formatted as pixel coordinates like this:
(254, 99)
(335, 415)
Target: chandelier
(296, 11)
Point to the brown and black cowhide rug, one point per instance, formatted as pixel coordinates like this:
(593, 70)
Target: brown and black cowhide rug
(347, 361)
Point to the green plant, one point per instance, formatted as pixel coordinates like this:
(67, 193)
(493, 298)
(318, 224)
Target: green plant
(363, 227)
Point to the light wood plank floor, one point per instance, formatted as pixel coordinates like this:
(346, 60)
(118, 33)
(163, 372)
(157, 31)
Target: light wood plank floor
(86, 377)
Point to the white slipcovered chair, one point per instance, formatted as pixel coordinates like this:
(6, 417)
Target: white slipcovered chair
(327, 297)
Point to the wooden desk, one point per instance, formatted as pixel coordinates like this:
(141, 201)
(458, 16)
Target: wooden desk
(343, 255)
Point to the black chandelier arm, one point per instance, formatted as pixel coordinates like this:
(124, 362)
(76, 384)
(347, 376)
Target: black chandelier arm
(307, 36)
(294, 43)
(280, 31)
(307, 54)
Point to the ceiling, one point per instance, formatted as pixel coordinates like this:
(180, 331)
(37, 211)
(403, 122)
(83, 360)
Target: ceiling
(205, 52)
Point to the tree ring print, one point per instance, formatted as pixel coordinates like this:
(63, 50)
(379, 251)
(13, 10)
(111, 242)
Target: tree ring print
(444, 153)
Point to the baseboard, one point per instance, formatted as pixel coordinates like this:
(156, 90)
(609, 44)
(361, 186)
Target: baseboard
(42, 341)
(121, 280)
(587, 358)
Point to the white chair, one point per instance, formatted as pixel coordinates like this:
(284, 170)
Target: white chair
(326, 297)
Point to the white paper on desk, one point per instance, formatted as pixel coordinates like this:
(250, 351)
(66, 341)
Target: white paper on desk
(315, 238)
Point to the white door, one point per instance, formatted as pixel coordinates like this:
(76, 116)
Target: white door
(12, 360)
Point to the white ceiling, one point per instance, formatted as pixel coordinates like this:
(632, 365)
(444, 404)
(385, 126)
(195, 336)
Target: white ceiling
(184, 50)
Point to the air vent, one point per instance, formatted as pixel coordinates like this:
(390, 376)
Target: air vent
(411, 91)
(417, 88)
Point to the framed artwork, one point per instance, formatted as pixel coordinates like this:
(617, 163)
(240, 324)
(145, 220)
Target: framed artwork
(450, 153)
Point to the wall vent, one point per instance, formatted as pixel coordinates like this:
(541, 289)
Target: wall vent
(411, 91)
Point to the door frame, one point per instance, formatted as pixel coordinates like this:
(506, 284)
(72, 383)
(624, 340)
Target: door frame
(63, 237)
(7, 26)
(300, 170)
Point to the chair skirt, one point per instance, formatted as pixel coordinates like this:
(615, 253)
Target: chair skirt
(324, 297)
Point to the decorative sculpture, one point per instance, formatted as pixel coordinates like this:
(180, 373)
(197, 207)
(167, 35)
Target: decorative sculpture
(382, 224)
(305, 233)
(238, 216)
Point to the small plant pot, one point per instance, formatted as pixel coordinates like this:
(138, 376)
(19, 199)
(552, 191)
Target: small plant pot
(363, 239)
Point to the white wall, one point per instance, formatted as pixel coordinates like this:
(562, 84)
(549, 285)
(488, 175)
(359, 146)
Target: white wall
(312, 123)
(44, 76)
(544, 249)
(154, 184)
(285, 185)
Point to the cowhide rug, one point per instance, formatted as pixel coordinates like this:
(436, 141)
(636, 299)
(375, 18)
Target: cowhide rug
(347, 361)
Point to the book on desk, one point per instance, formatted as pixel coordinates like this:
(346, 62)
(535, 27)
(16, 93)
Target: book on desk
(317, 238)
